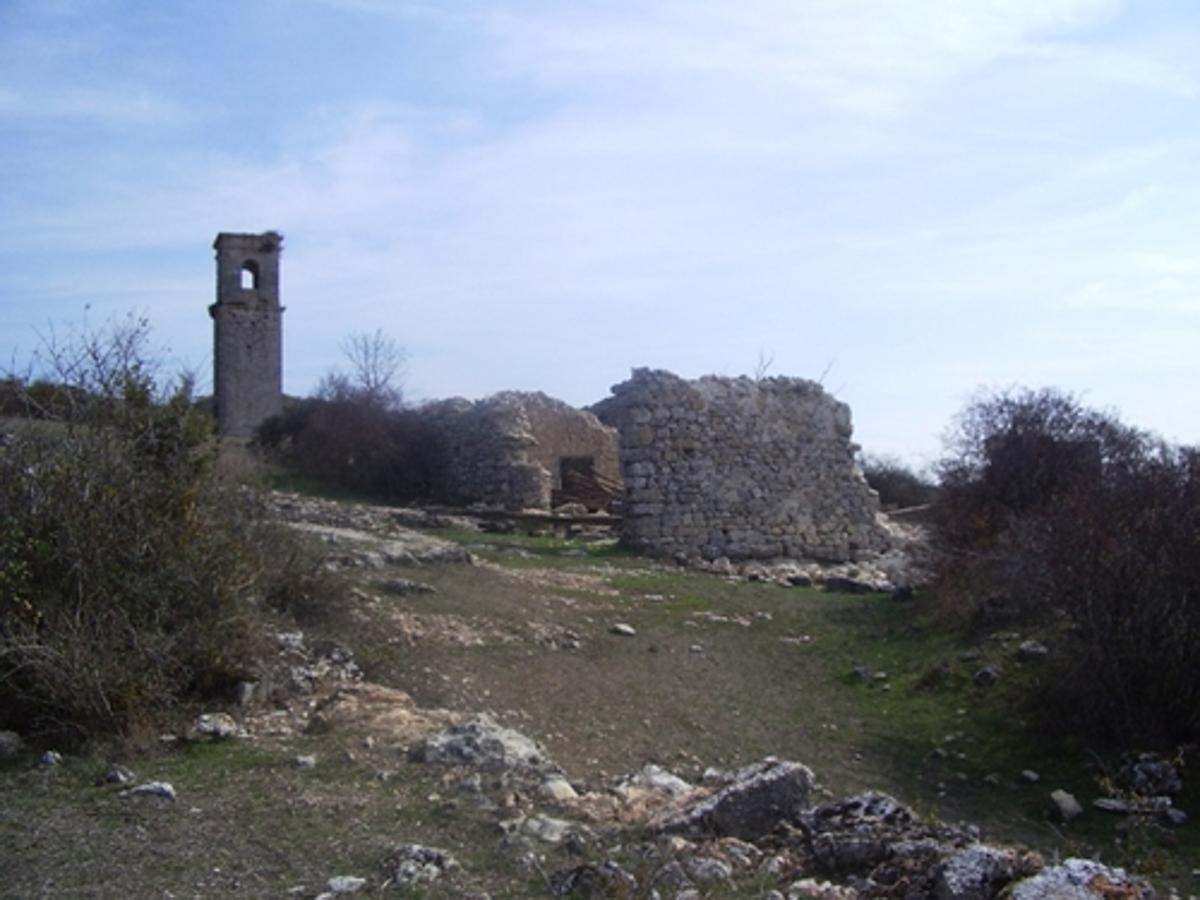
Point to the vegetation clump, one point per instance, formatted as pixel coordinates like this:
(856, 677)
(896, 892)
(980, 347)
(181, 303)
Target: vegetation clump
(1062, 517)
(356, 435)
(897, 484)
(126, 567)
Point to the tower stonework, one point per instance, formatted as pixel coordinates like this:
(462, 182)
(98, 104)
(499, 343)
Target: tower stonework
(247, 332)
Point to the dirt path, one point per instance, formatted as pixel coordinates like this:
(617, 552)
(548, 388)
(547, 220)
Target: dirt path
(716, 672)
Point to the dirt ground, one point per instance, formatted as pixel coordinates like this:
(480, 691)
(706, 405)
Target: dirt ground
(717, 672)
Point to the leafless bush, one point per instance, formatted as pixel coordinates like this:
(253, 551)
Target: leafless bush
(897, 484)
(356, 446)
(124, 574)
(376, 377)
(1055, 514)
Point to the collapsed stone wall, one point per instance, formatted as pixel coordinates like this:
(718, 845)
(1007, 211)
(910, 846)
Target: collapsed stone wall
(506, 450)
(740, 468)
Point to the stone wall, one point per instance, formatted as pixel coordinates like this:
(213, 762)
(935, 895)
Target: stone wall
(506, 450)
(739, 468)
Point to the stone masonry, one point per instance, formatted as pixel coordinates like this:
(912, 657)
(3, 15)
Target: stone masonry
(740, 468)
(509, 449)
(247, 332)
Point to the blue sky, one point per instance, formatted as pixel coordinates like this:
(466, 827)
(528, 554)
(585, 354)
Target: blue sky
(914, 198)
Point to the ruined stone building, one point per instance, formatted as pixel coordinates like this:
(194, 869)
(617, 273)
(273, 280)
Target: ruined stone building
(716, 467)
(247, 332)
(515, 450)
(739, 468)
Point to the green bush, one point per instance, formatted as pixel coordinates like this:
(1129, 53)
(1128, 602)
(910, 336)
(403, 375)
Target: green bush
(124, 565)
(1063, 518)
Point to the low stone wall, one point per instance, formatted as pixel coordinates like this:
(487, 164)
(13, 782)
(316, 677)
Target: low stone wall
(506, 450)
(740, 468)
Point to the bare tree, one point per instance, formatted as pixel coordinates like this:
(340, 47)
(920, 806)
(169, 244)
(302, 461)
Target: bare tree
(765, 361)
(377, 370)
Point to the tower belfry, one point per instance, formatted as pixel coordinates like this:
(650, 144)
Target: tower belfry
(247, 332)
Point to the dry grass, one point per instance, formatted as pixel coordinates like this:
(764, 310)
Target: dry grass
(719, 673)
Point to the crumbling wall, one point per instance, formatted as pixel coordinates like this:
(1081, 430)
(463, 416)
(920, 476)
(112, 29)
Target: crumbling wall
(561, 431)
(506, 450)
(739, 468)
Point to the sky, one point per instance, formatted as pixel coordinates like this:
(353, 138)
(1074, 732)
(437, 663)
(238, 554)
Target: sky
(908, 201)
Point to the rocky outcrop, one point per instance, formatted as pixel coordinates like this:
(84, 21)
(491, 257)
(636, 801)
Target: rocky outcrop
(759, 798)
(740, 468)
(483, 743)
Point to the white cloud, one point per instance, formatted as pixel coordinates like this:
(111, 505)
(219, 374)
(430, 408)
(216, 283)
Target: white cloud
(921, 192)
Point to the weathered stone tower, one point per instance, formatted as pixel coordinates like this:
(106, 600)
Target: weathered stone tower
(247, 332)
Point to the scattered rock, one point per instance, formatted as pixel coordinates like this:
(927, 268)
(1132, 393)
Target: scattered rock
(49, 760)
(484, 743)
(1124, 807)
(558, 789)
(1173, 818)
(759, 798)
(413, 864)
(245, 693)
(979, 872)
(658, 779)
(10, 744)
(843, 585)
(213, 726)
(1066, 805)
(1032, 651)
(623, 630)
(707, 868)
(606, 879)
(548, 829)
(305, 761)
(115, 775)
(1030, 776)
(151, 789)
(856, 832)
(1149, 775)
(1082, 879)
(987, 676)
(345, 884)
(811, 889)
(403, 587)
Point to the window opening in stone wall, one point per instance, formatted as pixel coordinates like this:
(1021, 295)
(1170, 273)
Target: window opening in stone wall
(579, 465)
(249, 275)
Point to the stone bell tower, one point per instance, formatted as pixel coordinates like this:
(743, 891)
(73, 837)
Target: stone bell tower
(247, 332)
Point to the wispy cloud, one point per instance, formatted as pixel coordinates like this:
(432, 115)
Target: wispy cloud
(923, 192)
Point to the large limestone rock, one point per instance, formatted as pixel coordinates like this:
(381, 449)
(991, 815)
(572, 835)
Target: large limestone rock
(483, 743)
(760, 797)
(1082, 879)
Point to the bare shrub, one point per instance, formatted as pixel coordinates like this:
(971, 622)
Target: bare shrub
(1052, 513)
(377, 369)
(123, 571)
(355, 435)
(897, 484)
